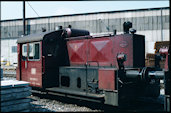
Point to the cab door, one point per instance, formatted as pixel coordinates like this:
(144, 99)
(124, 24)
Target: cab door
(32, 63)
(24, 62)
(34, 69)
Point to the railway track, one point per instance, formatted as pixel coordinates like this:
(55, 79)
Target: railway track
(141, 105)
(91, 106)
(9, 73)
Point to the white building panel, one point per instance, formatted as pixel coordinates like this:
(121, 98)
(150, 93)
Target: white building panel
(166, 35)
(61, 19)
(79, 18)
(150, 47)
(166, 12)
(100, 16)
(52, 20)
(32, 22)
(42, 21)
(6, 50)
(128, 14)
(148, 13)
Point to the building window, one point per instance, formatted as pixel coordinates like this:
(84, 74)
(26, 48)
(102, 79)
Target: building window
(14, 49)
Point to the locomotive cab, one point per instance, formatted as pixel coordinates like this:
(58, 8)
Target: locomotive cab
(39, 57)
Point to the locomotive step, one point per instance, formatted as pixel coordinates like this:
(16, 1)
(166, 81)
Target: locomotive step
(76, 94)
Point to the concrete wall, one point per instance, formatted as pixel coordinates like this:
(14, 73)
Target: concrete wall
(153, 23)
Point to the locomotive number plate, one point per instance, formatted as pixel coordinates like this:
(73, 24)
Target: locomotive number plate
(123, 44)
(33, 71)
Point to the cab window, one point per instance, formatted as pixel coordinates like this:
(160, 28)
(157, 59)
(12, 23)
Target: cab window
(34, 51)
(24, 51)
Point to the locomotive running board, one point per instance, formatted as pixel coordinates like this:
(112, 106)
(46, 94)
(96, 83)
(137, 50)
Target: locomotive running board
(76, 95)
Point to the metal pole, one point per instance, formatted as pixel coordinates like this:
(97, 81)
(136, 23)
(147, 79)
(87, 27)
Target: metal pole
(24, 30)
(0, 21)
(161, 25)
(0, 10)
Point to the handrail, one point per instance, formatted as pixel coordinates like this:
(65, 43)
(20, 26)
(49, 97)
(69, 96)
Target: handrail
(93, 61)
(88, 36)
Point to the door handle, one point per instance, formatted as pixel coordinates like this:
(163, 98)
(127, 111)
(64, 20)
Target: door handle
(25, 64)
(43, 64)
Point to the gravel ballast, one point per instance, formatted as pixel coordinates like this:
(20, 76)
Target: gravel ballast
(48, 105)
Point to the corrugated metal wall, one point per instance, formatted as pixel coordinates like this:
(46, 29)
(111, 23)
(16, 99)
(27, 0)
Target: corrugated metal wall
(95, 23)
(146, 22)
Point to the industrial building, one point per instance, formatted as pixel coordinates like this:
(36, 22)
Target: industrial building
(151, 22)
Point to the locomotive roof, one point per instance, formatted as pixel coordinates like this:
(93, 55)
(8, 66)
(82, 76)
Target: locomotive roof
(32, 37)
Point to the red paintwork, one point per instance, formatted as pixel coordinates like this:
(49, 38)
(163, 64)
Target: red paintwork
(102, 51)
(18, 67)
(35, 79)
(33, 71)
(166, 63)
(24, 74)
(123, 44)
(107, 79)
(165, 51)
(97, 51)
(77, 51)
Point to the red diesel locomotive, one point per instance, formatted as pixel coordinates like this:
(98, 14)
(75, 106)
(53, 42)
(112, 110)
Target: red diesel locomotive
(109, 68)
